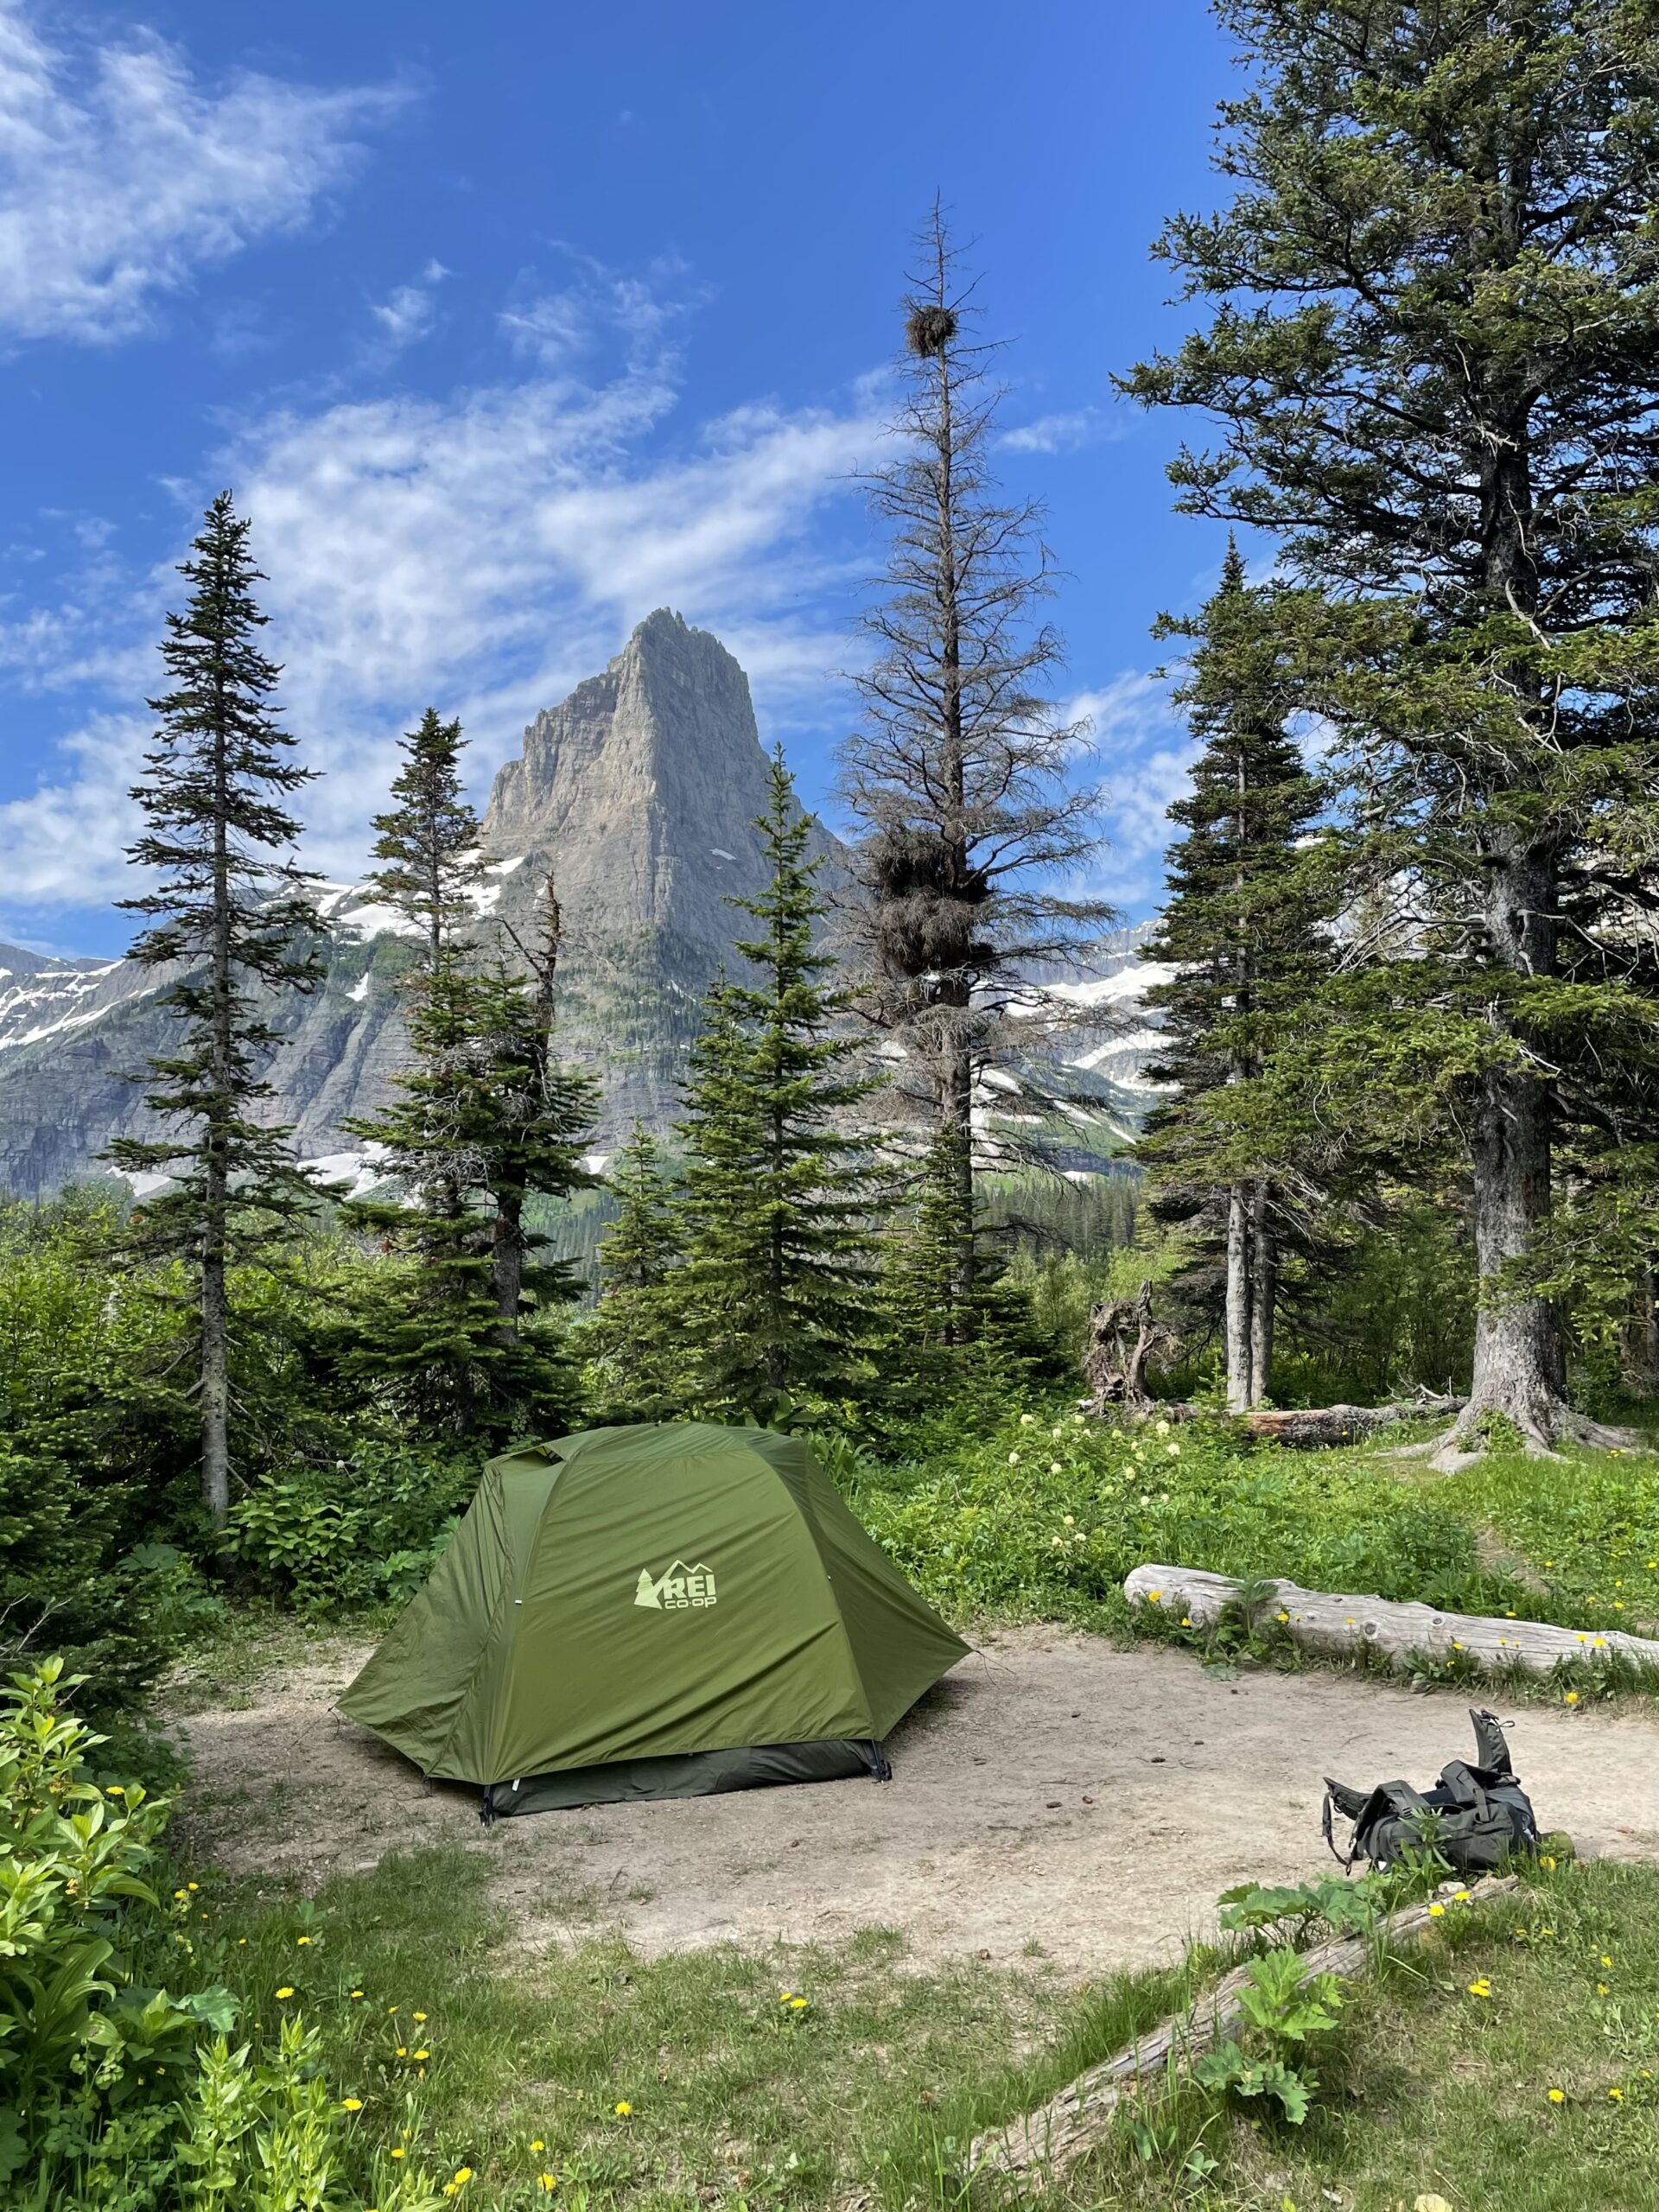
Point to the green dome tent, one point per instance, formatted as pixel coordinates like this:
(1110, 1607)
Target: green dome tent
(652, 1612)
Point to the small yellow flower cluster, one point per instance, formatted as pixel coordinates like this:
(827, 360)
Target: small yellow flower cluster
(623, 2110)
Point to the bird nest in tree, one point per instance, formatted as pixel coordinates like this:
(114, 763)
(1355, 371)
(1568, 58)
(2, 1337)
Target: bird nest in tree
(930, 329)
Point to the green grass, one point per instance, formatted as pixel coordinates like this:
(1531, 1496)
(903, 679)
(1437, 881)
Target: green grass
(1042, 1519)
(733, 2090)
(740, 2098)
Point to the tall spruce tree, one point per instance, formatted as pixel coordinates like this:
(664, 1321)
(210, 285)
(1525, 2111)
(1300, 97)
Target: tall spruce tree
(635, 1336)
(234, 914)
(424, 1326)
(484, 1124)
(1432, 352)
(1244, 930)
(778, 1195)
(529, 1128)
(960, 776)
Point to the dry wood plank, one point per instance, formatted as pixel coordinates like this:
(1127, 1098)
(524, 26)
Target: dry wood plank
(1336, 1626)
(1045, 2144)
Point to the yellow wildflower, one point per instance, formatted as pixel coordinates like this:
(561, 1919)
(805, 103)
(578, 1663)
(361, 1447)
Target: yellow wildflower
(1558, 2096)
(357, 1993)
(420, 2016)
(403, 2050)
(1617, 2095)
(284, 1993)
(625, 2110)
(423, 2053)
(1435, 1911)
(302, 1939)
(351, 2104)
(463, 2174)
(398, 2153)
(798, 2003)
(538, 2144)
(547, 2181)
(1481, 1988)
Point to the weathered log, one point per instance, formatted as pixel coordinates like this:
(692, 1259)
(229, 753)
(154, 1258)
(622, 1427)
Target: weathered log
(1338, 1626)
(1303, 1428)
(1309, 1427)
(1045, 2144)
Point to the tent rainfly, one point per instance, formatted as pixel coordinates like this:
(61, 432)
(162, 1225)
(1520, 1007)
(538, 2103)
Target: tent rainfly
(652, 1612)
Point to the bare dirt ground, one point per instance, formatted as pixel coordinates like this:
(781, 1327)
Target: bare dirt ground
(1054, 1797)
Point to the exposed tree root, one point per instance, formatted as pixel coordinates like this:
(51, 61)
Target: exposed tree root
(1541, 1431)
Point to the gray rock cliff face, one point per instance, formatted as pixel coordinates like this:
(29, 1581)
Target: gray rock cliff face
(637, 796)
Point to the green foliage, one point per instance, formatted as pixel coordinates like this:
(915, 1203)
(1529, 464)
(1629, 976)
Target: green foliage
(1044, 1515)
(354, 1532)
(1245, 936)
(80, 2035)
(1429, 349)
(635, 1339)
(235, 916)
(1346, 1905)
(484, 1128)
(776, 1196)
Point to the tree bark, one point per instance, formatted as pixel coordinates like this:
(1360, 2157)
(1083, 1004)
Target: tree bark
(1641, 1334)
(1264, 1284)
(1238, 1299)
(216, 1195)
(1338, 1626)
(1044, 2145)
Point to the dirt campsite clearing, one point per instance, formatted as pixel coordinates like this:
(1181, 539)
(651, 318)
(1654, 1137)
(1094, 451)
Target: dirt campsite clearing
(1055, 1795)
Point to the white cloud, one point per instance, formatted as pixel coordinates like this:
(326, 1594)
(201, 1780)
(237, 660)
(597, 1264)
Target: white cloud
(408, 313)
(120, 174)
(1054, 433)
(1145, 755)
(483, 551)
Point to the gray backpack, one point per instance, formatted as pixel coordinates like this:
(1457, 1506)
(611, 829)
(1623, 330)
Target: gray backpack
(1474, 1817)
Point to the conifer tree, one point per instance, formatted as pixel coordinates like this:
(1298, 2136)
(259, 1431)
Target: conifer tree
(778, 1198)
(427, 1321)
(930, 1336)
(1244, 931)
(485, 1123)
(1433, 354)
(234, 914)
(960, 775)
(528, 1130)
(635, 1336)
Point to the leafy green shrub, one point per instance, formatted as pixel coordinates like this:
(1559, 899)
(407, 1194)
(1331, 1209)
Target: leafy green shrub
(362, 1529)
(115, 1615)
(119, 2086)
(81, 2033)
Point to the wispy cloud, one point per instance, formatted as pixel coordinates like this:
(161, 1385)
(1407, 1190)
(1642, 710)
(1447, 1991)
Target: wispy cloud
(409, 312)
(120, 174)
(1066, 433)
(482, 552)
(1145, 755)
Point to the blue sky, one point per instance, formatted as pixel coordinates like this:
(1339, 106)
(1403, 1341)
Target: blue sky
(508, 324)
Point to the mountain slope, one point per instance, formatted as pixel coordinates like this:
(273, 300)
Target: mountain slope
(637, 796)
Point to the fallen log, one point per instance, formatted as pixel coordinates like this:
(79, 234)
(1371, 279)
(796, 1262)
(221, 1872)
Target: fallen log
(1336, 1627)
(1301, 1427)
(1307, 1427)
(1045, 2144)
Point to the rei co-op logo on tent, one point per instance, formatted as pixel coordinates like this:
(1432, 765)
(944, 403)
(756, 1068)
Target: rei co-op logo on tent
(682, 1587)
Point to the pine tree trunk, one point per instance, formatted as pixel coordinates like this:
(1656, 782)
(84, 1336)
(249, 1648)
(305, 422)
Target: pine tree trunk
(1518, 1368)
(1238, 1299)
(507, 1265)
(1641, 1334)
(1263, 1283)
(215, 1390)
